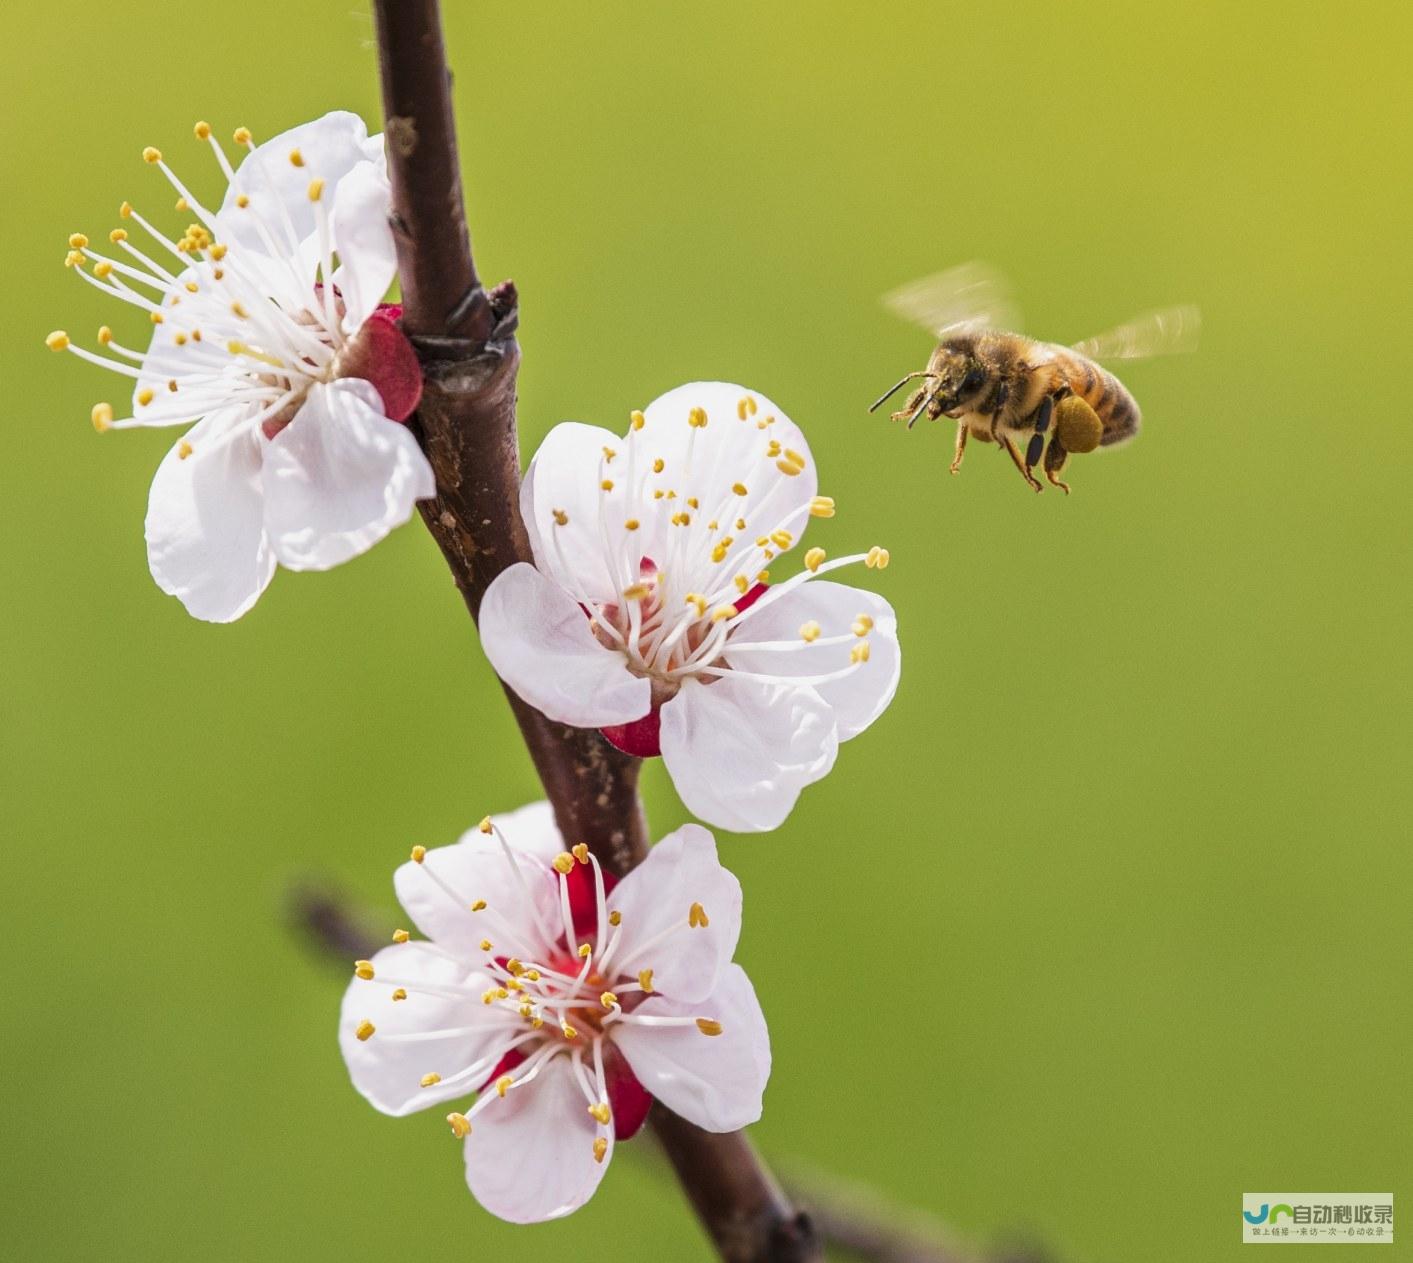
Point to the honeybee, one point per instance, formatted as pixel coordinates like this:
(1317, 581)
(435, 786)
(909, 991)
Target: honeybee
(1039, 401)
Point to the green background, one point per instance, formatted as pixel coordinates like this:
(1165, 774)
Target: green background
(1104, 923)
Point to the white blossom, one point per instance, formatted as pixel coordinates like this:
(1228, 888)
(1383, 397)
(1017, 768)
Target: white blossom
(566, 1001)
(650, 611)
(268, 339)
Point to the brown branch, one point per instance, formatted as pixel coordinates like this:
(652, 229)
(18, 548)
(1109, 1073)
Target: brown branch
(849, 1218)
(465, 338)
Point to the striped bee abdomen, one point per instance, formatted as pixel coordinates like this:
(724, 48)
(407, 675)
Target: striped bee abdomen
(1103, 392)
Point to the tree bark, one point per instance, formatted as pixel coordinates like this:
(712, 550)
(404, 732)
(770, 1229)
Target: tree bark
(465, 338)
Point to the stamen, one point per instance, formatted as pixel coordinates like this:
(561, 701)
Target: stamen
(364, 1030)
(708, 1026)
(460, 1128)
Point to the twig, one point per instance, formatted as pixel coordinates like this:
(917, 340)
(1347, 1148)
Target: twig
(466, 340)
(844, 1215)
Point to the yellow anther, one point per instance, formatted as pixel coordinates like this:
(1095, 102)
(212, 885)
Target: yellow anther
(478, 906)
(527, 1009)
(580, 852)
(172, 385)
(563, 863)
(145, 397)
(659, 465)
(697, 917)
(400, 936)
(781, 539)
(789, 468)
(645, 979)
(218, 252)
(242, 201)
(809, 632)
(514, 967)
(191, 286)
(537, 1022)
(763, 576)
(600, 1148)
(503, 1083)
(740, 488)
(600, 1112)
(117, 235)
(316, 189)
(606, 484)
(460, 1128)
(430, 1080)
(156, 316)
(637, 420)
(488, 997)
(241, 135)
(814, 559)
(486, 944)
(877, 558)
(400, 993)
(151, 155)
(708, 1026)
(181, 204)
(419, 853)
(722, 612)
(238, 310)
(179, 339)
(296, 158)
(740, 524)
(637, 592)
(585, 951)
(57, 341)
(364, 1030)
(859, 653)
(102, 417)
(532, 975)
(514, 984)
(631, 524)
(569, 1031)
(719, 551)
(743, 585)
(202, 131)
(502, 994)
(615, 918)
(485, 826)
(698, 602)
(608, 455)
(822, 506)
(561, 518)
(75, 259)
(105, 334)
(77, 241)
(773, 448)
(862, 625)
(751, 406)
(196, 335)
(693, 503)
(125, 210)
(608, 1000)
(364, 969)
(697, 418)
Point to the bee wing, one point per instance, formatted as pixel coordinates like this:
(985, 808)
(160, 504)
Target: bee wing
(1171, 331)
(971, 294)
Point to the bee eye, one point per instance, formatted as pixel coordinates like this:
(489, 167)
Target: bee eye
(973, 379)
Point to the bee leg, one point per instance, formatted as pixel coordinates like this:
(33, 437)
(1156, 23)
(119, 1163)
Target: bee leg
(1005, 441)
(909, 409)
(1055, 458)
(962, 431)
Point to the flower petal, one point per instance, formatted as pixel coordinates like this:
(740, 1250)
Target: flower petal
(714, 1081)
(530, 1155)
(363, 240)
(388, 1071)
(329, 148)
(681, 871)
(206, 542)
(859, 697)
(739, 752)
(340, 476)
(565, 476)
(538, 640)
(705, 463)
(521, 909)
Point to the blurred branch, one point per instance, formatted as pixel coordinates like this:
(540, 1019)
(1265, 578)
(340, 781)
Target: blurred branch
(852, 1219)
(465, 338)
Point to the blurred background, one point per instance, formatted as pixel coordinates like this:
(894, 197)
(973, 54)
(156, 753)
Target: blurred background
(1135, 832)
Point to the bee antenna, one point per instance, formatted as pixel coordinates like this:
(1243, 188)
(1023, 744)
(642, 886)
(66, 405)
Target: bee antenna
(893, 389)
